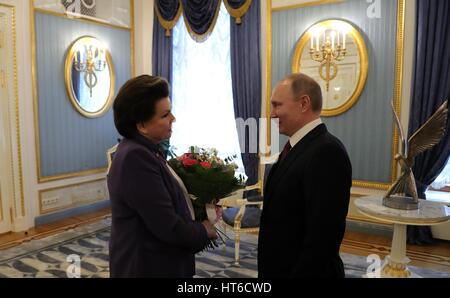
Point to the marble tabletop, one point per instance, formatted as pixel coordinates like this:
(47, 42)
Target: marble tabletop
(429, 213)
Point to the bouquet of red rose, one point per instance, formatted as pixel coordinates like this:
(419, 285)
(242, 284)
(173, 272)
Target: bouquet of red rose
(207, 177)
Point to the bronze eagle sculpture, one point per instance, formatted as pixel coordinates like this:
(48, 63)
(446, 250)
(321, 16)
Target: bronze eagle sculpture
(402, 194)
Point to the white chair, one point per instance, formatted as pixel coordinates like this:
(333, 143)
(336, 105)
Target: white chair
(242, 215)
(110, 155)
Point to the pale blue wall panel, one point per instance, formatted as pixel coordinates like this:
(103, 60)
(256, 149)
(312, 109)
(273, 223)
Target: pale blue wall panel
(70, 142)
(366, 129)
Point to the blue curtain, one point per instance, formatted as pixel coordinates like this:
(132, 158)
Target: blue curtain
(245, 58)
(162, 52)
(236, 3)
(431, 87)
(246, 79)
(200, 14)
(162, 59)
(167, 8)
(76, 83)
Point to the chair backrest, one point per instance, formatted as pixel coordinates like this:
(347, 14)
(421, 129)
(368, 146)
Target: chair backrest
(267, 168)
(110, 156)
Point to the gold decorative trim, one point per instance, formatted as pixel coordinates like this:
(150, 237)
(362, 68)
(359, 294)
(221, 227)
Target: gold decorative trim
(204, 36)
(237, 13)
(78, 17)
(398, 82)
(269, 75)
(69, 87)
(72, 175)
(42, 179)
(35, 91)
(17, 118)
(18, 135)
(312, 3)
(371, 184)
(69, 205)
(397, 270)
(363, 68)
(13, 209)
(397, 88)
(168, 25)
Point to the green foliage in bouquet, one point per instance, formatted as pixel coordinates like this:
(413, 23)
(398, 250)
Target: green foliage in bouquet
(207, 177)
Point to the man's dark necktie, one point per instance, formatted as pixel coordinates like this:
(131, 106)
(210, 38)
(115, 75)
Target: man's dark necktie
(285, 151)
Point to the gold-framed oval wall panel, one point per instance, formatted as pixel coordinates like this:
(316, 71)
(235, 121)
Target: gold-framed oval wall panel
(68, 78)
(305, 39)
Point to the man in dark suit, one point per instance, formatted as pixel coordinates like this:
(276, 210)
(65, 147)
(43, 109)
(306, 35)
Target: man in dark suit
(307, 191)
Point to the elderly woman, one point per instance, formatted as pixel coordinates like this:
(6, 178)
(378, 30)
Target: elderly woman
(153, 233)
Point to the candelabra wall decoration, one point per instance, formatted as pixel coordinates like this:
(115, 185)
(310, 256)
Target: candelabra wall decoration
(327, 48)
(89, 76)
(333, 52)
(90, 59)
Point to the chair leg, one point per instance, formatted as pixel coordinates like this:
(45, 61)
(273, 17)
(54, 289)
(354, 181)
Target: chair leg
(237, 240)
(224, 225)
(225, 232)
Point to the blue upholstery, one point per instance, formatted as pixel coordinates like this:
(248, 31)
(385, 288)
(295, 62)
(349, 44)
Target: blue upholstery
(255, 198)
(250, 219)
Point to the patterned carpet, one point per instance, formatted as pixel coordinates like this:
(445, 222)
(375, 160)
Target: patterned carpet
(47, 257)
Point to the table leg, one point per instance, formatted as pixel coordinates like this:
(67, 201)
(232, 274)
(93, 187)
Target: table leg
(395, 264)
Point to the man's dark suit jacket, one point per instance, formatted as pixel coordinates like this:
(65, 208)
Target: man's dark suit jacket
(306, 201)
(152, 232)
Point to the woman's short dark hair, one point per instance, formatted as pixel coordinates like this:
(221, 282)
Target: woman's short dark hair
(136, 101)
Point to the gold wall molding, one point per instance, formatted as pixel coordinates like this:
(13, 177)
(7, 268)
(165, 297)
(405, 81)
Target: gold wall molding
(80, 18)
(363, 56)
(311, 3)
(397, 84)
(43, 179)
(40, 178)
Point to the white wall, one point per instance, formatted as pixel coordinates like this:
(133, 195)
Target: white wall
(143, 19)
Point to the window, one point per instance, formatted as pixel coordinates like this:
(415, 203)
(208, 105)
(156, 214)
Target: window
(202, 97)
(439, 190)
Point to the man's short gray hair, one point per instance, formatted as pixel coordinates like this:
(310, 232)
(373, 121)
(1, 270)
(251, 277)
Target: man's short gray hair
(302, 84)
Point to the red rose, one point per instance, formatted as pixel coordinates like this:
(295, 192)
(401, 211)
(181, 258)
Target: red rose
(205, 164)
(188, 162)
(185, 156)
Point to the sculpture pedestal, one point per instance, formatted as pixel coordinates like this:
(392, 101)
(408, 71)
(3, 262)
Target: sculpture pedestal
(429, 213)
